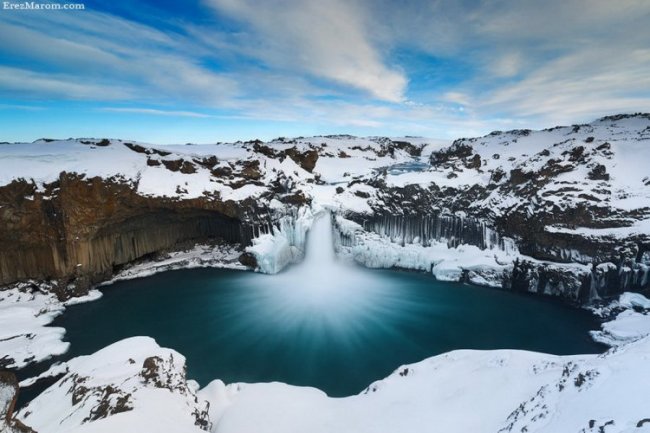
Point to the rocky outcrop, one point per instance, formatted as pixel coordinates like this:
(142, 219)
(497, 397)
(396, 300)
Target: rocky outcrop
(79, 230)
(8, 396)
(145, 380)
(564, 196)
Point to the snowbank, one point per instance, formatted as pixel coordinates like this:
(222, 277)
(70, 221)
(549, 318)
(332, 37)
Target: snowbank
(629, 325)
(130, 386)
(25, 314)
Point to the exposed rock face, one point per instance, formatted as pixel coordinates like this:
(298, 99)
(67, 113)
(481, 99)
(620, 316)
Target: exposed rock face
(80, 230)
(8, 396)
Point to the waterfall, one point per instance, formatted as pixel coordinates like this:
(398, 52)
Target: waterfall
(322, 280)
(319, 251)
(320, 268)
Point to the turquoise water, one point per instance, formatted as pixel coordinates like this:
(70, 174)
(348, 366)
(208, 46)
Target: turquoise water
(353, 327)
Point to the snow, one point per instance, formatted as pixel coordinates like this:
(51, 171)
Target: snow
(638, 227)
(92, 295)
(631, 300)
(56, 369)
(631, 324)
(199, 256)
(113, 377)
(628, 326)
(24, 334)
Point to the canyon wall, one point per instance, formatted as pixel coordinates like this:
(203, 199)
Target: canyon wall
(79, 231)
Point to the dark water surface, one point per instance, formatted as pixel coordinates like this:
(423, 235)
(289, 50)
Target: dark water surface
(338, 335)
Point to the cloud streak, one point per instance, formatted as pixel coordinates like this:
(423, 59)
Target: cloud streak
(157, 112)
(324, 39)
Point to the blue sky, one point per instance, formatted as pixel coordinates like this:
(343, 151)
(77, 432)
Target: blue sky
(216, 70)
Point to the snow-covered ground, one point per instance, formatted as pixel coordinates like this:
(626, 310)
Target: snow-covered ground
(130, 386)
(136, 386)
(24, 316)
(199, 256)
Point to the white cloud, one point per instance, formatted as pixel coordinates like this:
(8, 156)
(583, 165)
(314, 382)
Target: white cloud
(555, 61)
(24, 82)
(577, 86)
(101, 48)
(157, 112)
(325, 39)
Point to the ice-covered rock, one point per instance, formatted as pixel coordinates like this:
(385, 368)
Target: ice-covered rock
(630, 324)
(283, 243)
(632, 300)
(8, 396)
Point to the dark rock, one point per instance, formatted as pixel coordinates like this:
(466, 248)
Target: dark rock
(99, 224)
(248, 260)
(599, 172)
(9, 388)
(307, 160)
(474, 162)
(518, 176)
(264, 150)
(185, 167)
(458, 149)
(221, 172)
(251, 170)
(642, 422)
(146, 150)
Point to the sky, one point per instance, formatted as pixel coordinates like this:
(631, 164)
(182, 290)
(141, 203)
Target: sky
(205, 71)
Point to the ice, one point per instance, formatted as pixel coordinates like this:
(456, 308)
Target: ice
(285, 242)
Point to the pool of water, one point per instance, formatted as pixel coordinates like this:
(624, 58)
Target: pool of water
(338, 329)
